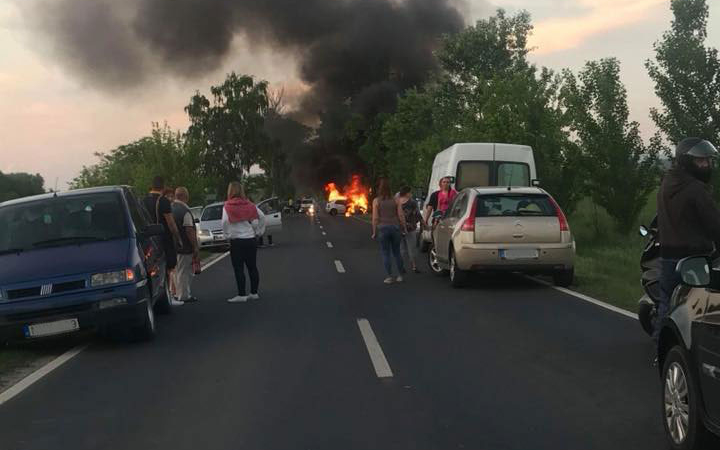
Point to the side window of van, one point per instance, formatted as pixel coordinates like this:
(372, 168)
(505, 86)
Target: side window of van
(472, 174)
(137, 213)
(513, 174)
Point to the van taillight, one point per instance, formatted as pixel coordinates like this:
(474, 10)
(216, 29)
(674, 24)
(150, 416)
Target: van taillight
(469, 224)
(560, 215)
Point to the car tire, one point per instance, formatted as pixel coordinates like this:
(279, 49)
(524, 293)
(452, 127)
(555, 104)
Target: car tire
(433, 263)
(146, 331)
(162, 304)
(680, 392)
(564, 278)
(458, 277)
(333, 212)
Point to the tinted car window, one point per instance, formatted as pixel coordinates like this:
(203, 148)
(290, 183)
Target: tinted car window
(514, 205)
(137, 213)
(472, 174)
(61, 220)
(513, 174)
(212, 213)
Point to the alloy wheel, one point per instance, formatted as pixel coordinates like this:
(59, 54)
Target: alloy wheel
(677, 403)
(434, 264)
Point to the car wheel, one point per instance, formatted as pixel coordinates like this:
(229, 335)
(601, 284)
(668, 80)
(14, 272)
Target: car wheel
(162, 305)
(564, 278)
(681, 403)
(434, 264)
(333, 212)
(458, 277)
(146, 331)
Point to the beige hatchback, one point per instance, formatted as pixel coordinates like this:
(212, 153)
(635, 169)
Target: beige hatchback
(503, 229)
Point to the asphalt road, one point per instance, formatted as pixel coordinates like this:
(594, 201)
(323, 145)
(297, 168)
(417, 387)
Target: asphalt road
(503, 364)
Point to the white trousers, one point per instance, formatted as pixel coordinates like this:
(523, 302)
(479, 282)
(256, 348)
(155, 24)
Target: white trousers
(183, 277)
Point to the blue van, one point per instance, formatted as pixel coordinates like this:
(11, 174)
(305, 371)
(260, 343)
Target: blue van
(82, 259)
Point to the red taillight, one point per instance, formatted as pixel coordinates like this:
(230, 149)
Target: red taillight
(469, 224)
(560, 215)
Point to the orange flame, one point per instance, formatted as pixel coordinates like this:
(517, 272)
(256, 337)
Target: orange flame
(356, 195)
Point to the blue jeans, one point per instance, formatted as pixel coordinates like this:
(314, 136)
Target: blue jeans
(390, 238)
(669, 280)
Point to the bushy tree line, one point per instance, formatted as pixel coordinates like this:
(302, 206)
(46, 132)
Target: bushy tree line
(16, 185)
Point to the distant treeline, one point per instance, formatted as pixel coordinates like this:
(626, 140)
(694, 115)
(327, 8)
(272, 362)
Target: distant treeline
(16, 185)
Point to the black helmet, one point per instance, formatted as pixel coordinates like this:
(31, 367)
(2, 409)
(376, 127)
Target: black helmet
(690, 148)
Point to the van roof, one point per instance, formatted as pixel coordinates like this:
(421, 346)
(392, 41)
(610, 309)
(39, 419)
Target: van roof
(70, 193)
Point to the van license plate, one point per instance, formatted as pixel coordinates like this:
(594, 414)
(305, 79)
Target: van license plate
(519, 253)
(50, 328)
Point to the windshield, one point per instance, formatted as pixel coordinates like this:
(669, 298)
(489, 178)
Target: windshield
(61, 221)
(514, 205)
(212, 213)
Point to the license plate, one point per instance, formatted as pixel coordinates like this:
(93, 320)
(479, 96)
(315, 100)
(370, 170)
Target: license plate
(218, 238)
(50, 328)
(519, 253)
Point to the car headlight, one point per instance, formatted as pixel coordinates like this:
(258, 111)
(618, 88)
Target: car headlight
(205, 233)
(118, 276)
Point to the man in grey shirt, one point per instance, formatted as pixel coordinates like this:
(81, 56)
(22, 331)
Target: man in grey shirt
(189, 251)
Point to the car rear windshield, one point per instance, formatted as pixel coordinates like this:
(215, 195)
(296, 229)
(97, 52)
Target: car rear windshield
(212, 213)
(514, 205)
(63, 220)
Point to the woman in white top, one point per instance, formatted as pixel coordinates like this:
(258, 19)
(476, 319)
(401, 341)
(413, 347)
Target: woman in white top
(242, 223)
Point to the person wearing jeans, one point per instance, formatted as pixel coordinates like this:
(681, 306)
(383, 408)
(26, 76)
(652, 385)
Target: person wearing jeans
(411, 211)
(389, 220)
(242, 223)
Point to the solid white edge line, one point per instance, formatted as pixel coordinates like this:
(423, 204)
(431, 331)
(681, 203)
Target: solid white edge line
(586, 298)
(339, 266)
(29, 380)
(329, 244)
(377, 357)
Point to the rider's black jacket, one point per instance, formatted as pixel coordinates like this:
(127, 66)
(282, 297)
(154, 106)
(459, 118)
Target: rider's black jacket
(688, 218)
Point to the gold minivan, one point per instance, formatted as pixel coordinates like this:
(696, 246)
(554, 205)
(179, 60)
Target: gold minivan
(512, 229)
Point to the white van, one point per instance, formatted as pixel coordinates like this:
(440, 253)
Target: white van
(482, 164)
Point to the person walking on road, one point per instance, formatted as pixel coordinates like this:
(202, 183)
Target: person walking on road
(189, 252)
(388, 224)
(160, 210)
(688, 218)
(242, 223)
(411, 211)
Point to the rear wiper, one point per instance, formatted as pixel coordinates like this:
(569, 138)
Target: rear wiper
(11, 250)
(64, 240)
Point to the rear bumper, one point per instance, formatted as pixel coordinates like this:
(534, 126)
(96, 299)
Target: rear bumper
(83, 306)
(482, 257)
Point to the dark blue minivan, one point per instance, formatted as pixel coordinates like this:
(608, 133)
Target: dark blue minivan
(82, 259)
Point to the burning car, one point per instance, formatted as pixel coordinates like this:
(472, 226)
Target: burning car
(354, 200)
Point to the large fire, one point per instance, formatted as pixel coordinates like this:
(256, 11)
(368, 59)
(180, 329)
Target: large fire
(355, 193)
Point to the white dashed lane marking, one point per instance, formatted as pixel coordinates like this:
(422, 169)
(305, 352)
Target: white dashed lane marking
(339, 266)
(377, 357)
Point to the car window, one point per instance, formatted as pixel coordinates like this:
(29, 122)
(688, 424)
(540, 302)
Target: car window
(269, 206)
(212, 213)
(459, 206)
(514, 205)
(513, 174)
(63, 219)
(472, 174)
(341, 202)
(136, 212)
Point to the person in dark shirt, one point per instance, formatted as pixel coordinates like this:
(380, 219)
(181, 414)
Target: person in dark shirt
(160, 210)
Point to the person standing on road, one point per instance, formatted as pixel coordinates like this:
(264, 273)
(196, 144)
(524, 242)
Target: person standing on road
(242, 223)
(688, 218)
(160, 210)
(388, 220)
(440, 200)
(411, 211)
(189, 253)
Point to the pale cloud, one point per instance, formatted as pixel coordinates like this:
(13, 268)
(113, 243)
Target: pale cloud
(599, 17)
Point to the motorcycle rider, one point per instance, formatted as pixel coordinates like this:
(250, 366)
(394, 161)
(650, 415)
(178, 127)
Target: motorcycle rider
(688, 218)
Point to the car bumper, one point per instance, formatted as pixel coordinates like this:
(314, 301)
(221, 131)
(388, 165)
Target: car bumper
(480, 257)
(210, 241)
(89, 308)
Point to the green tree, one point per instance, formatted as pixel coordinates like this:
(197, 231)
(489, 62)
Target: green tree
(621, 170)
(229, 130)
(20, 184)
(686, 74)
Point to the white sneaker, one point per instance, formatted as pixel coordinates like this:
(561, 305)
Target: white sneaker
(174, 302)
(238, 299)
(399, 279)
(388, 280)
(254, 297)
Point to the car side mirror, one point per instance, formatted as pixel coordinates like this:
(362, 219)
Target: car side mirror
(695, 271)
(643, 231)
(152, 230)
(535, 183)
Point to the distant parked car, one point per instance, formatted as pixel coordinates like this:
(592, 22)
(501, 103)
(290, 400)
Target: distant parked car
(503, 229)
(336, 207)
(209, 228)
(307, 205)
(83, 259)
(689, 358)
(196, 212)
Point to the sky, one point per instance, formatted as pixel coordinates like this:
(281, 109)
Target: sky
(52, 123)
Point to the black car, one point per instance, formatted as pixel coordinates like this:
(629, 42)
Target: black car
(83, 259)
(689, 357)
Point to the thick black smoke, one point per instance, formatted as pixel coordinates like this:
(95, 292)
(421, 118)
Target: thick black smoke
(347, 49)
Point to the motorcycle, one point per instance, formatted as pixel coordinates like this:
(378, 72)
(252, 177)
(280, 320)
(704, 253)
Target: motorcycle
(650, 278)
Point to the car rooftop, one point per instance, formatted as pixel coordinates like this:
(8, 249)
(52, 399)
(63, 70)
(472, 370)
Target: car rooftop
(70, 193)
(492, 190)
